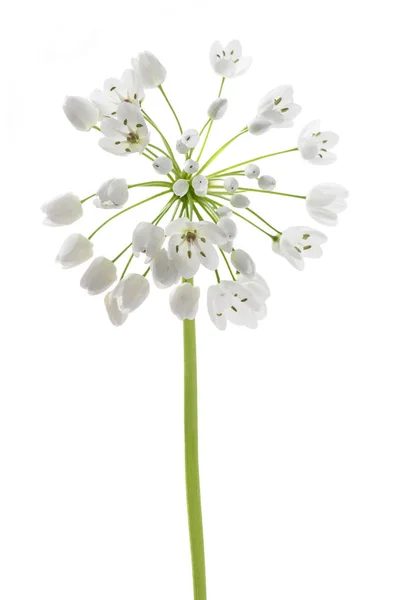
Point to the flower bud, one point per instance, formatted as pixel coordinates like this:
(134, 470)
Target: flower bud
(230, 184)
(80, 112)
(266, 182)
(217, 109)
(163, 165)
(147, 239)
(191, 166)
(259, 125)
(252, 171)
(113, 193)
(75, 250)
(131, 292)
(239, 201)
(243, 263)
(117, 317)
(180, 187)
(62, 210)
(184, 301)
(150, 69)
(223, 211)
(200, 185)
(99, 276)
(164, 270)
(181, 148)
(228, 227)
(190, 138)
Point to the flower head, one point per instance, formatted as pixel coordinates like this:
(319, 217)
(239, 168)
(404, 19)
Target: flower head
(125, 133)
(228, 61)
(128, 89)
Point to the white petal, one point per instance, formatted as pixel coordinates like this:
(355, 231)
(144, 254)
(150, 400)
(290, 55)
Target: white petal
(80, 112)
(259, 125)
(131, 292)
(178, 226)
(99, 276)
(75, 250)
(191, 166)
(180, 187)
(163, 165)
(147, 239)
(190, 138)
(62, 210)
(266, 182)
(243, 263)
(252, 171)
(228, 226)
(211, 232)
(230, 184)
(217, 108)
(208, 256)
(239, 201)
(164, 270)
(184, 301)
(117, 317)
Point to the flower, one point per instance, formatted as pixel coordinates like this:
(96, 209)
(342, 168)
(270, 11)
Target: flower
(164, 270)
(191, 244)
(259, 125)
(278, 107)
(266, 182)
(217, 109)
(223, 211)
(181, 147)
(163, 165)
(125, 133)
(147, 239)
(80, 112)
(113, 193)
(200, 185)
(180, 187)
(229, 62)
(115, 91)
(297, 243)
(62, 210)
(243, 263)
(129, 294)
(230, 184)
(239, 201)
(314, 144)
(191, 166)
(75, 250)
(99, 276)
(252, 171)
(190, 138)
(184, 300)
(150, 69)
(228, 226)
(239, 302)
(325, 201)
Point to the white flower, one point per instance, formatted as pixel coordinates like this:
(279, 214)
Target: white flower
(230, 184)
(266, 182)
(125, 133)
(181, 147)
(147, 239)
(239, 302)
(325, 201)
(314, 144)
(80, 112)
(243, 263)
(115, 91)
(297, 243)
(240, 201)
(191, 166)
(223, 211)
(191, 244)
(113, 193)
(180, 187)
(164, 270)
(128, 295)
(259, 125)
(228, 226)
(200, 185)
(229, 62)
(62, 210)
(278, 107)
(163, 165)
(252, 171)
(99, 276)
(75, 250)
(190, 138)
(150, 69)
(184, 300)
(217, 109)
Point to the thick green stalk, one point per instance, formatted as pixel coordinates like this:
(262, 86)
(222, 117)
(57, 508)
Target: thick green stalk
(191, 461)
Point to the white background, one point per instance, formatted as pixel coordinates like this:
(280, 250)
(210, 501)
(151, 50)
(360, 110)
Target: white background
(303, 422)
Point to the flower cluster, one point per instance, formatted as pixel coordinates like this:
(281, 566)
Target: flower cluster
(202, 228)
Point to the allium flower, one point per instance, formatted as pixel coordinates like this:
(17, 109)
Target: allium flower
(190, 138)
(125, 133)
(99, 276)
(164, 270)
(230, 184)
(278, 107)
(200, 185)
(239, 201)
(163, 165)
(150, 70)
(217, 109)
(62, 210)
(243, 263)
(128, 295)
(147, 239)
(325, 201)
(252, 171)
(180, 187)
(81, 112)
(237, 302)
(184, 301)
(228, 226)
(191, 166)
(116, 91)
(297, 243)
(75, 250)
(266, 182)
(113, 193)
(314, 144)
(228, 61)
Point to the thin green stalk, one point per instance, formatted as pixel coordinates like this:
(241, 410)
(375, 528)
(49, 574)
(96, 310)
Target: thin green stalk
(192, 481)
(210, 124)
(164, 139)
(246, 162)
(127, 266)
(160, 87)
(221, 149)
(121, 253)
(88, 198)
(241, 216)
(227, 264)
(269, 192)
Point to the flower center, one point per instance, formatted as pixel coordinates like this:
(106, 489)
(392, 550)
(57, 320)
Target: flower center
(190, 236)
(133, 137)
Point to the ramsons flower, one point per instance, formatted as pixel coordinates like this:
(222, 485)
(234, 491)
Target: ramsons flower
(239, 201)
(297, 243)
(266, 182)
(315, 145)
(125, 133)
(99, 276)
(243, 263)
(228, 226)
(228, 61)
(75, 250)
(115, 91)
(113, 193)
(237, 302)
(217, 109)
(190, 138)
(150, 70)
(200, 185)
(147, 239)
(62, 210)
(163, 165)
(129, 294)
(80, 112)
(325, 201)
(184, 301)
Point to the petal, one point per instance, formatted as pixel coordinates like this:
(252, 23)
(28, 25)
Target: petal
(211, 232)
(207, 254)
(114, 129)
(178, 226)
(233, 50)
(243, 65)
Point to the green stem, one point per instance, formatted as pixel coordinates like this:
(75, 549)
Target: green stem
(269, 192)
(160, 87)
(210, 124)
(164, 139)
(221, 149)
(246, 162)
(192, 462)
(244, 218)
